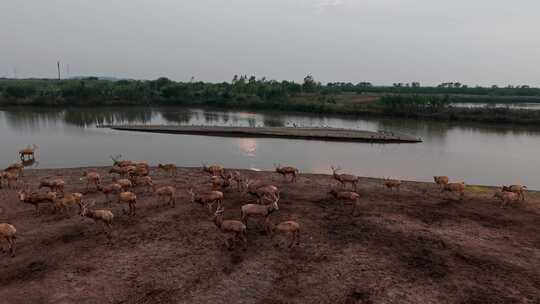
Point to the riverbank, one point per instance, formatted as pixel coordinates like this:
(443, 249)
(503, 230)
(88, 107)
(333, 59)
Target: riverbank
(325, 134)
(416, 247)
(334, 98)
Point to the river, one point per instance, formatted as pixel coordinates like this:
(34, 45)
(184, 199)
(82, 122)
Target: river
(476, 154)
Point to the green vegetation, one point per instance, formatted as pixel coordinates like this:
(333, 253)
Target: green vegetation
(402, 100)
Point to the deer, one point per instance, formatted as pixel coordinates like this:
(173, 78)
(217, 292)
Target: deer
(54, 184)
(506, 197)
(8, 178)
(234, 227)
(169, 169)
(98, 215)
(256, 210)
(121, 163)
(124, 183)
(441, 180)
(169, 193)
(9, 233)
(129, 198)
(123, 171)
(16, 169)
(70, 199)
(145, 181)
(344, 179)
(36, 198)
(458, 187)
(392, 184)
(110, 189)
(207, 199)
(221, 182)
(347, 197)
(92, 178)
(518, 189)
(28, 153)
(214, 170)
(261, 190)
(238, 179)
(291, 229)
(287, 170)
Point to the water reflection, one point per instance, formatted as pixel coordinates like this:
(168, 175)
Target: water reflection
(476, 153)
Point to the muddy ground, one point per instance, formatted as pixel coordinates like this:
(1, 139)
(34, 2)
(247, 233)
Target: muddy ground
(415, 247)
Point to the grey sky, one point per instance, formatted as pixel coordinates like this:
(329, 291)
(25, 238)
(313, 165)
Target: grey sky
(383, 41)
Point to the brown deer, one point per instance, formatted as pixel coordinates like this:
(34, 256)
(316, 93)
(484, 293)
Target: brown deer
(344, 179)
(168, 193)
(131, 199)
(207, 199)
(291, 229)
(36, 198)
(214, 170)
(228, 227)
(287, 170)
(264, 211)
(98, 215)
(518, 189)
(54, 184)
(8, 232)
(92, 178)
(347, 197)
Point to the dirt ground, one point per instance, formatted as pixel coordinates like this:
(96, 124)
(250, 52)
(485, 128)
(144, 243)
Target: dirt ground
(415, 247)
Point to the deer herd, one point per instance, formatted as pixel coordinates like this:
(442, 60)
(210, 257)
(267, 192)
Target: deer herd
(127, 176)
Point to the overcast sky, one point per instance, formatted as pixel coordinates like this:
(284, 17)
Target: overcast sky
(383, 41)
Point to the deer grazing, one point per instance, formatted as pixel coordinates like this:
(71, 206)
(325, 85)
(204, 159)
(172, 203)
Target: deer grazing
(441, 180)
(506, 197)
(169, 169)
(28, 153)
(129, 198)
(264, 211)
(518, 189)
(113, 188)
(167, 194)
(458, 187)
(54, 184)
(287, 170)
(36, 198)
(392, 183)
(228, 227)
(344, 179)
(92, 178)
(347, 197)
(207, 199)
(291, 229)
(214, 170)
(8, 233)
(71, 199)
(98, 215)
(259, 190)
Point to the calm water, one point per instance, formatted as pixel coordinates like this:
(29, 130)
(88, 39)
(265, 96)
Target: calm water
(477, 154)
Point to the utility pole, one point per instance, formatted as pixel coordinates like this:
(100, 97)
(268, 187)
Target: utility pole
(58, 65)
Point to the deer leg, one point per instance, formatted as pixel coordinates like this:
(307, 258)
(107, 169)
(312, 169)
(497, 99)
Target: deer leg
(291, 239)
(12, 246)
